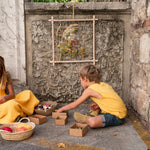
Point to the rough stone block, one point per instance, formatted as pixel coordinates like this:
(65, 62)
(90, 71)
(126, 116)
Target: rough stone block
(146, 23)
(142, 103)
(139, 77)
(144, 48)
(139, 11)
(148, 10)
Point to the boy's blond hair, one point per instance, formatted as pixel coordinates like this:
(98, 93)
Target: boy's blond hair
(91, 72)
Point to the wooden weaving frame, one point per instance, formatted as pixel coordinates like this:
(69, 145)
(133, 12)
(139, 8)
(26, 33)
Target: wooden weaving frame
(53, 44)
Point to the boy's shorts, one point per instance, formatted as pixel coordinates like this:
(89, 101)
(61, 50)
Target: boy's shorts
(111, 120)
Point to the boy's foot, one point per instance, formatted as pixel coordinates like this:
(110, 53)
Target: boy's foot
(93, 113)
(80, 117)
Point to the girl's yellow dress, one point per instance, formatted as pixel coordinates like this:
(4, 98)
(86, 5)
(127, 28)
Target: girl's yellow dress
(22, 105)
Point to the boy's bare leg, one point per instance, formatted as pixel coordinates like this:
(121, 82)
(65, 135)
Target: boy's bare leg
(95, 122)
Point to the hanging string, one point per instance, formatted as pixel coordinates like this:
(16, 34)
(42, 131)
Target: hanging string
(73, 9)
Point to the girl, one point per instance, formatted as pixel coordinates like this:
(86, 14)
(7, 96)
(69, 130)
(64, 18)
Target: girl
(11, 105)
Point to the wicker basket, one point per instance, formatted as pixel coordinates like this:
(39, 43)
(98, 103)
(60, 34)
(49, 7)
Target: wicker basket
(17, 136)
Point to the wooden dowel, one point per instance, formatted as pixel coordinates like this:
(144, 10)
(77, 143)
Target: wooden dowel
(73, 4)
(75, 61)
(53, 48)
(72, 20)
(93, 39)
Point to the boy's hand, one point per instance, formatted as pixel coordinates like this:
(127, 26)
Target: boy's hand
(94, 106)
(60, 110)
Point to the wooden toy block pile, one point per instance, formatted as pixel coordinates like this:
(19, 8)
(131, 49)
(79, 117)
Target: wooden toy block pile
(60, 118)
(47, 108)
(38, 119)
(78, 129)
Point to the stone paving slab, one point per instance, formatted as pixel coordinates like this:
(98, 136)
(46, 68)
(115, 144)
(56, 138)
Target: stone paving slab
(47, 136)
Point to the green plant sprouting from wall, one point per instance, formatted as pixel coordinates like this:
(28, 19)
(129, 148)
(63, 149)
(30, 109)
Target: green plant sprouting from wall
(66, 1)
(59, 1)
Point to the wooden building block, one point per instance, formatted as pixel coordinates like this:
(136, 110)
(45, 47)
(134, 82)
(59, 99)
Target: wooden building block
(48, 111)
(38, 119)
(61, 120)
(78, 129)
(56, 114)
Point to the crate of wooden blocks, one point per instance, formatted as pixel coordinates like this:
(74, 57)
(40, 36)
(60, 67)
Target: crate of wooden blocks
(46, 108)
(56, 114)
(38, 119)
(61, 120)
(78, 129)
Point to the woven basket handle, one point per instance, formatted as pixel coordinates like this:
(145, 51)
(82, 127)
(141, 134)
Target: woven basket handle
(25, 118)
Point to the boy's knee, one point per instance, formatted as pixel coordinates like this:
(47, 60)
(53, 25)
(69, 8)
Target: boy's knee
(91, 123)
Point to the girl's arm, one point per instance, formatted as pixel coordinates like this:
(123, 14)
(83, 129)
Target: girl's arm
(11, 94)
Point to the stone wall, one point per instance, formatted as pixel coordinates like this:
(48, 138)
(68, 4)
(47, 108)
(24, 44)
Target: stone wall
(140, 59)
(12, 38)
(60, 82)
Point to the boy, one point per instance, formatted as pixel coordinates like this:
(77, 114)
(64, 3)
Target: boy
(106, 100)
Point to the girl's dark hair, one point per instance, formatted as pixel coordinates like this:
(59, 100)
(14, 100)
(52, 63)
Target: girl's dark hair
(91, 72)
(3, 77)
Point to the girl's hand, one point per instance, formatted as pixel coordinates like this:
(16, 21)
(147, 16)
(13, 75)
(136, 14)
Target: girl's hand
(3, 99)
(94, 106)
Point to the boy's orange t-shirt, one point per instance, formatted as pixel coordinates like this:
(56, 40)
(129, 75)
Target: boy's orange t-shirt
(110, 101)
